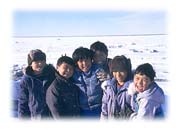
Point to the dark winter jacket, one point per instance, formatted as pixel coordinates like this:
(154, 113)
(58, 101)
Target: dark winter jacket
(90, 88)
(33, 88)
(62, 98)
(116, 103)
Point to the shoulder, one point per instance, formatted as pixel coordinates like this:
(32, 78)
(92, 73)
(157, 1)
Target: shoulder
(26, 78)
(128, 83)
(159, 88)
(54, 87)
(49, 68)
(154, 90)
(28, 71)
(57, 83)
(75, 87)
(107, 85)
(158, 94)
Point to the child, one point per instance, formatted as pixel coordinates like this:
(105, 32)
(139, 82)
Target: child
(62, 95)
(16, 78)
(85, 77)
(100, 55)
(37, 78)
(149, 97)
(116, 103)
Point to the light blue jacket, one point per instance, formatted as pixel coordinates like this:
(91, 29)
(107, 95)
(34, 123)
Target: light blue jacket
(149, 103)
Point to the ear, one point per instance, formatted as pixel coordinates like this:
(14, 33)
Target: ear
(57, 67)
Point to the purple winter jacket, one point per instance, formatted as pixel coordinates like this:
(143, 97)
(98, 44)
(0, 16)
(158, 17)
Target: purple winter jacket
(116, 103)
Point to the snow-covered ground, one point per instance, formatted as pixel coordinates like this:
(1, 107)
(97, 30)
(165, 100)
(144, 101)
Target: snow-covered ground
(140, 49)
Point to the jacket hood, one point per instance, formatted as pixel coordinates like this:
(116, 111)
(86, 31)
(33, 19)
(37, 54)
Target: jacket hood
(154, 93)
(48, 69)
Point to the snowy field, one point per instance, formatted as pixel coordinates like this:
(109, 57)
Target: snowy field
(140, 49)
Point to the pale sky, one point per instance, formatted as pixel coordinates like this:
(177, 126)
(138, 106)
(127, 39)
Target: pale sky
(63, 23)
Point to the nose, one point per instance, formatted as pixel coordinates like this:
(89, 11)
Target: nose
(140, 82)
(84, 62)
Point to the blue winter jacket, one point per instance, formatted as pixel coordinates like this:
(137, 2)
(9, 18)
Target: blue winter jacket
(116, 103)
(149, 103)
(32, 95)
(90, 88)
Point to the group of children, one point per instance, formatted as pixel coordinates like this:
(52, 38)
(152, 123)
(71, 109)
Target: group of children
(88, 85)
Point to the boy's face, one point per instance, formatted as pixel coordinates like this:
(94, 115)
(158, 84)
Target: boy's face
(141, 82)
(65, 70)
(38, 66)
(84, 64)
(99, 57)
(120, 76)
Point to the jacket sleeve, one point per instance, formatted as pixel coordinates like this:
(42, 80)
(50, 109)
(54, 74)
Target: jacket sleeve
(54, 102)
(23, 108)
(104, 108)
(146, 110)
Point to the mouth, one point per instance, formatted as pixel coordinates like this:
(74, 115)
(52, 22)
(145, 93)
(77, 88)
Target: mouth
(39, 68)
(86, 68)
(139, 88)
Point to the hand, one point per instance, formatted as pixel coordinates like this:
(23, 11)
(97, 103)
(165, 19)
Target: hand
(132, 89)
(102, 76)
(105, 84)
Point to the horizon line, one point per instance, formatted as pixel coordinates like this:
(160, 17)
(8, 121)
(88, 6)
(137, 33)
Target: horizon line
(46, 36)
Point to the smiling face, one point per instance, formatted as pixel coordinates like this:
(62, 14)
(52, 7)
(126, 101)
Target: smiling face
(65, 70)
(141, 82)
(120, 77)
(38, 66)
(84, 64)
(99, 57)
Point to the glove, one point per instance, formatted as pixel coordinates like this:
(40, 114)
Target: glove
(105, 84)
(131, 89)
(102, 76)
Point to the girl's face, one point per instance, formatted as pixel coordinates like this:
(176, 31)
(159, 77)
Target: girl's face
(141, 82)
(38, 66)
(99, 57)
(65, 70)
(84, 64)
(120, 76)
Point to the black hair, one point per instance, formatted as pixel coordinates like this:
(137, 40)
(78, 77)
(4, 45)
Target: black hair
(99, 46)
(82, 53)
(65, 59)
(36, 55)
(146, 69)
(121, 63)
